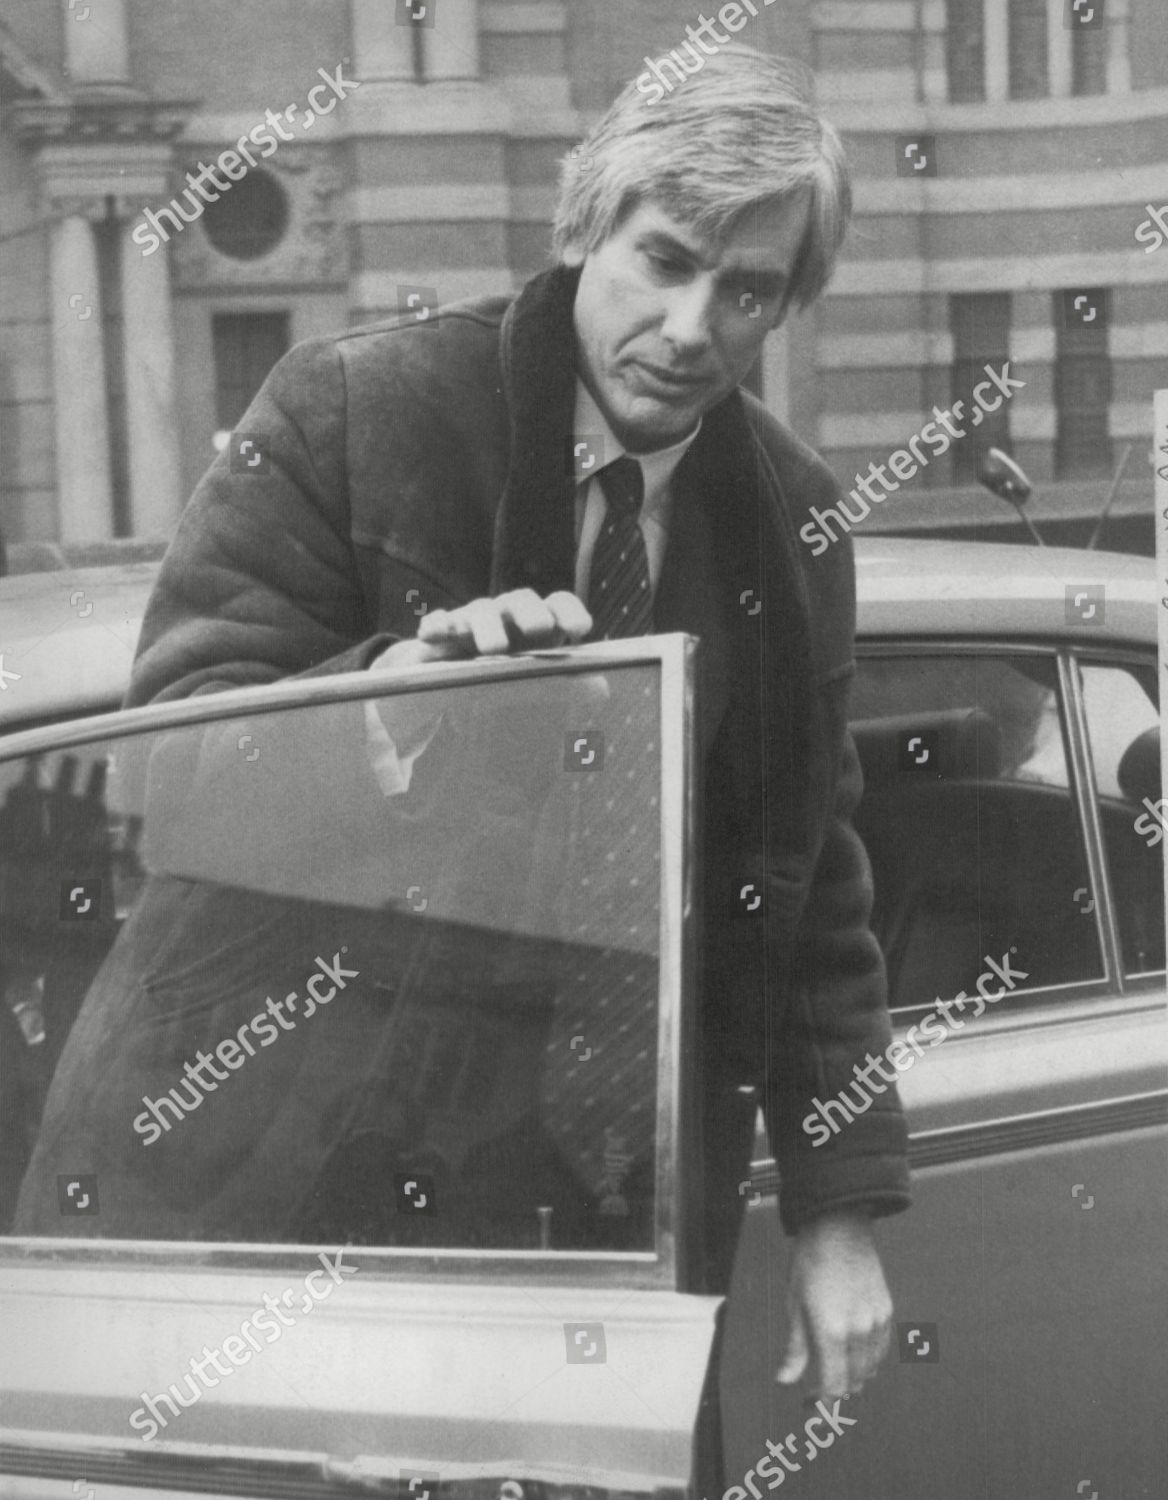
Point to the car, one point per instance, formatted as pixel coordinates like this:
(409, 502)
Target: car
(459, 1324)
(1006, 714)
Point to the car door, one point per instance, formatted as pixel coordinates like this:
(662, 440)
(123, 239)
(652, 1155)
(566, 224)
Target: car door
(1019, 903)
(346, 1152)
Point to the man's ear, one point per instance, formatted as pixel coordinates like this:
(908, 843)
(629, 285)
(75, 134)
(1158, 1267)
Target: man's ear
(572, 256)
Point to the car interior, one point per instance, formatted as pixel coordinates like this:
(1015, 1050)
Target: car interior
(976, 846)
(965, 863)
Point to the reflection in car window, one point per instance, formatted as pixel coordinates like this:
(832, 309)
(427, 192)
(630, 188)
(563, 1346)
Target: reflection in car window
(970, 823)
(377, 973)
(1124, 727)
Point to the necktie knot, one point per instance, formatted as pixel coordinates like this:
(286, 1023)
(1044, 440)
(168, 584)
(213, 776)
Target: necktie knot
(623, 483)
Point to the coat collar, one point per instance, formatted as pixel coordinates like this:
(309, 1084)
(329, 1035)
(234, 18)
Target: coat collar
(535, 536)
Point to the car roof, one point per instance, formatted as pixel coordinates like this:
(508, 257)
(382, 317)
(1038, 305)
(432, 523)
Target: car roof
(909, 586)
(69, 636)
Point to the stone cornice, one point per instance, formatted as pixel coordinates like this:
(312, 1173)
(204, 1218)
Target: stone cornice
(82, 176)
(105, 116)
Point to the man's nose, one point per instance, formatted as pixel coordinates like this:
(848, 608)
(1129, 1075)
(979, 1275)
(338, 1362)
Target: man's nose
(689, 317)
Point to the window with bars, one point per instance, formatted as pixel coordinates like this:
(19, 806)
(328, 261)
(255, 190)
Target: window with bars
(1028, 41)
(1029, 77)
(1082, 391)
(965, 50)
(1089, 60)
(246, 346)
(980, 325)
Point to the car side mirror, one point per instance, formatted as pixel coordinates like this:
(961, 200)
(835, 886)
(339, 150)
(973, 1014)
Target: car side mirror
(1003, 477)
(1007, 480)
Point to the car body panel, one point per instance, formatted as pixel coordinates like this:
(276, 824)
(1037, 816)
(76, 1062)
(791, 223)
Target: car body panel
(1047, 1367)
(430, 1375)
(911, 588)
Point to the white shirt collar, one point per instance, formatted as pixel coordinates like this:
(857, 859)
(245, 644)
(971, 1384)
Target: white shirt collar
(658, 467)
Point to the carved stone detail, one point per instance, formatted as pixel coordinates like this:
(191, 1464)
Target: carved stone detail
(313, 248)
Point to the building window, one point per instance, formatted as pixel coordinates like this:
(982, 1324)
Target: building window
(246, 346)
(980, 325)
(1089, 60)
(1082, 390)
(1029, 78)
(965, 50)
(250, 220)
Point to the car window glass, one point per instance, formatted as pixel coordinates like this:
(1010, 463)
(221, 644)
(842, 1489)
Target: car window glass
(970, 823)
(1124, 727)
(378, 973)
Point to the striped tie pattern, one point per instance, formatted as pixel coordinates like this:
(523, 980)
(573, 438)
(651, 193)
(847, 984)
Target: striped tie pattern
(619, 597)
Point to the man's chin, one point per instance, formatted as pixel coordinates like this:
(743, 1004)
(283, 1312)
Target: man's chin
(648, 423)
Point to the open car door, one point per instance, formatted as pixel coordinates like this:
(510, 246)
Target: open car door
(345, 1071)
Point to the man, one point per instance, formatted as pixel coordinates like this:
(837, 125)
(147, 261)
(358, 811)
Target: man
(433, 459)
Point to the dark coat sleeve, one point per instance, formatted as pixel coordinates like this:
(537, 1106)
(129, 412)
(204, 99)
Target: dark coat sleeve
(832, 970)
(836, 1016)
(261, 581)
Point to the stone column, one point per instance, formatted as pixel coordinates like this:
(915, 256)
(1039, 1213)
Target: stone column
(451, 47)
(154, 470)
(96, 49)
(382, 49)
(84, 492)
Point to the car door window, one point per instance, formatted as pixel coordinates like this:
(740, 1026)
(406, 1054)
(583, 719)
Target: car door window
(1123, 724)
(970, 822)
(378, 973)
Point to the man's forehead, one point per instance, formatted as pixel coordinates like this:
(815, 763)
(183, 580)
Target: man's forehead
(754, 238)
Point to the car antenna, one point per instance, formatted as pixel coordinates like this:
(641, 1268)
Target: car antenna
(1111, 494)
(1007, 480)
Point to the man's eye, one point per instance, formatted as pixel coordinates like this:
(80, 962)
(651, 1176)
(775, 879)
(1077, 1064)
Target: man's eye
(666, 265)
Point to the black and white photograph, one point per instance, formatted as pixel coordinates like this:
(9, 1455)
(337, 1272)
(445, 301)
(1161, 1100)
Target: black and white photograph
(582, 819)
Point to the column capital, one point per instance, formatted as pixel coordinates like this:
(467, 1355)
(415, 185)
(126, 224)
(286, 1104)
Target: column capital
(134, 174)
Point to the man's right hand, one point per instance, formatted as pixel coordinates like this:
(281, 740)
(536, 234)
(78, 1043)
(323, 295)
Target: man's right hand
(518, 621)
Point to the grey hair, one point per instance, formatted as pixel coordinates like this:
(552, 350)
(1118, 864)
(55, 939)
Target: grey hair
(739, 133)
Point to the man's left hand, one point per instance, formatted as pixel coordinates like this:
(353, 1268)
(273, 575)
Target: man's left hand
(839, 1311)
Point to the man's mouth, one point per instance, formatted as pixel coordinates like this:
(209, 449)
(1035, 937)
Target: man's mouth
(673, 381)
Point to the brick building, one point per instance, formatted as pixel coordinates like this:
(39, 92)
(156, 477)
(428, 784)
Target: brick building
(128, 350)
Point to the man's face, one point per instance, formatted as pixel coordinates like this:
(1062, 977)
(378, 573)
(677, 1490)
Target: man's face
(668, 324)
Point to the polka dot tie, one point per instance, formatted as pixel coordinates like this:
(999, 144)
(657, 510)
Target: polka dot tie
(619, 597)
